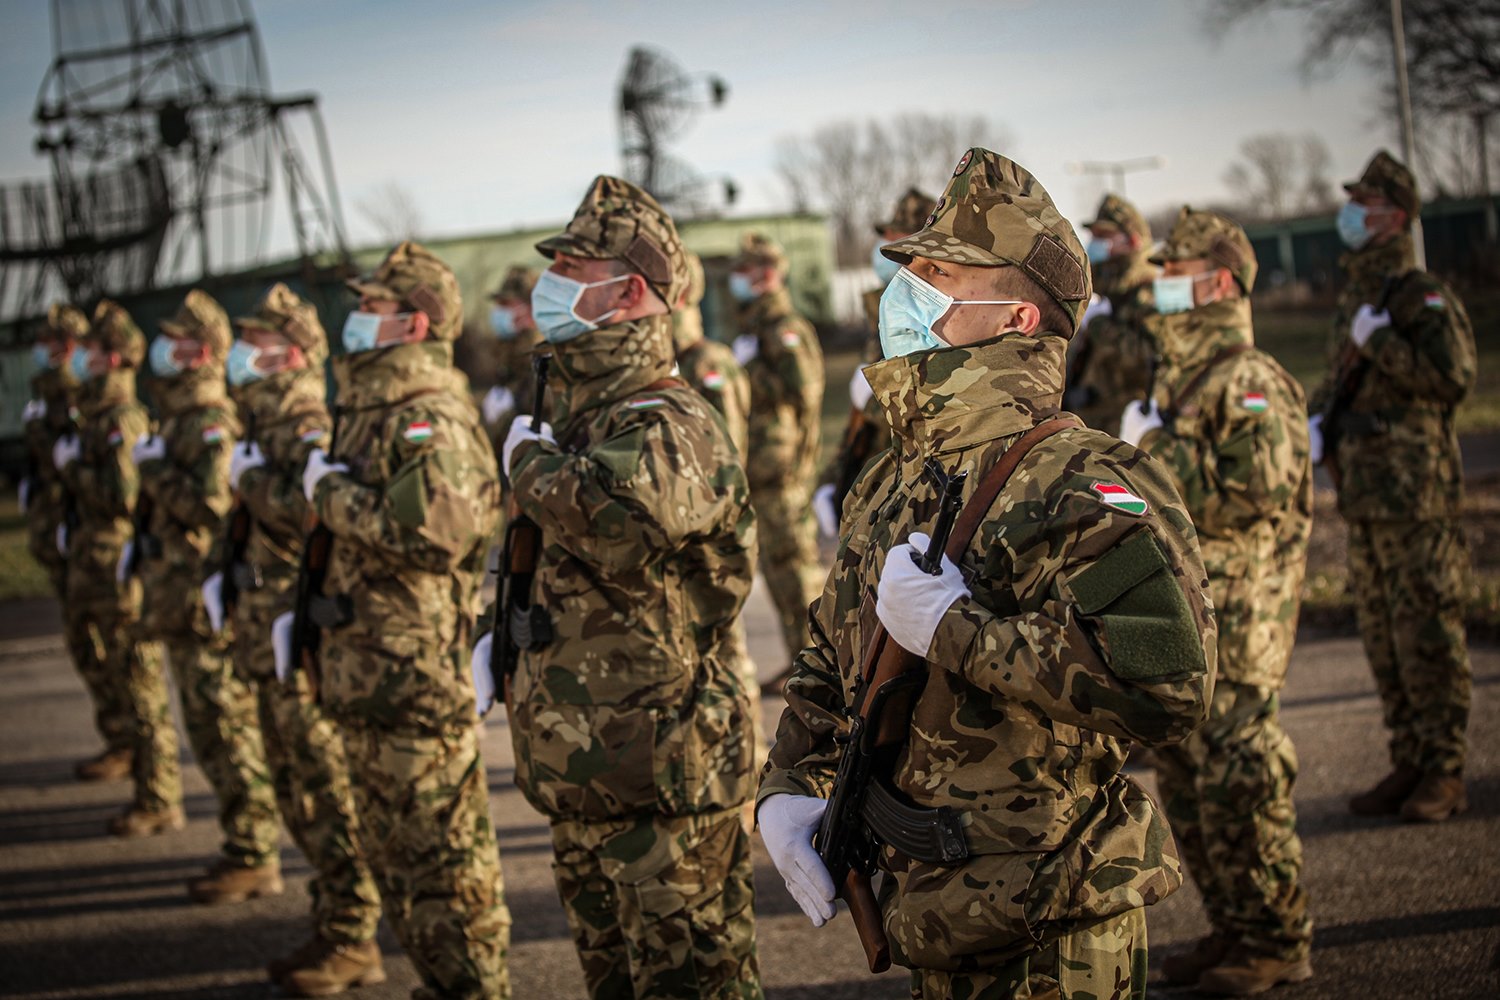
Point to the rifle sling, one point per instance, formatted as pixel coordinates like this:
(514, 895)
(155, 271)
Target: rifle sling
(1175, 406)
(994, 481)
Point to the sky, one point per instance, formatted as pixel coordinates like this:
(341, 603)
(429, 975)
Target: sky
(495, 115)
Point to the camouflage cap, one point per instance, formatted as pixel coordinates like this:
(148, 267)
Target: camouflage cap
(697, 283)
(1203, 235)
(283, 311)
(994, 213)
(113, 330)
(517, 284)
(413, 276)
(1117, 213)
(64, 320)
(1387, 176)
(759, 250)
(202, 319)
(618, 221)
(912, 210)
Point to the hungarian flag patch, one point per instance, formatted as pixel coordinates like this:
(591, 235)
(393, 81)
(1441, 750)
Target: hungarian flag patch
(713, 380)
(310, 435)
(1117, 496)
(418, 432)
(213, 434)
(116, 436)
(645, 404)
(1255, 402)
(790, 338)
(1432, 300)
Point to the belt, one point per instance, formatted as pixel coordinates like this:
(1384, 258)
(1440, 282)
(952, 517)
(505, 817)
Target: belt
(935, 836)
(330, 612)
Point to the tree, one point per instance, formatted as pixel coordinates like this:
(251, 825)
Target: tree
(1280, 175)
(393, 211)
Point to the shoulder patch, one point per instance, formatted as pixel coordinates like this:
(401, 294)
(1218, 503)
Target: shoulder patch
(417, 431)
(116, 436)
(1255, 402)
(713, 379)
(1116, 496)
(1434, 300)
(213, 434)
(645, 404)
(790, 338)
(310, 435)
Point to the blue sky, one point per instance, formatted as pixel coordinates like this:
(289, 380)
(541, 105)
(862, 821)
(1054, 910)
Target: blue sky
(496, 115)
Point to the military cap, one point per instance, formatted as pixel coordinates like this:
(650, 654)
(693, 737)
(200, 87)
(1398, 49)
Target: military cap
(759, 250)
(994, 213)
(1213, 237)
(202, 319)
(517, 284)
(283, 311)
(1117, 213)
(912, 209)
(64, 320)
(413, 276)
(618, 221)
(697, 283)
(114, 331)
(1387, 176)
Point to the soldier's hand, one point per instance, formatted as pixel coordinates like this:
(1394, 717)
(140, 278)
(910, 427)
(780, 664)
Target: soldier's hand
(787, 824)
(1138, 420)
(909, 602)
(1366, 322)
(745, 347)
(213, 601)
(316, 468)
(122, 568)
(1315, 438)
(859, 389)
(281, 645)
(23, 493)
(34, 409)
(497, 403)
(826, 512)
(479, 667)
(152, 448)
(243, 460)
(65, 450)
(521, 432)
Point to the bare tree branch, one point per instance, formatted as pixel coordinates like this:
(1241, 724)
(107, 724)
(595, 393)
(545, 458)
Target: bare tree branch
(393, 211)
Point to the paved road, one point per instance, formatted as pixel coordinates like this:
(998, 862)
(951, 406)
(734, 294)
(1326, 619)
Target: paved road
(1402, 911)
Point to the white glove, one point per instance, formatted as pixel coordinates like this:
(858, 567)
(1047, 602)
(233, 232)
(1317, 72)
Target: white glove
(67, 449)
(122, 568)
(825, 511)
(910, 603)
(1098, 306)
(479, 666)
(149, 449)
(497, 403)
(520, 431)
(787, 825)
(281, 645)
(745, 347)
(1315, 438)
(242, 460)
(1366, 322)
(23, 494)
(316, 468)
(1135, 424)
(61, 538)
(34, 409)
(213, 601)
(859, 389)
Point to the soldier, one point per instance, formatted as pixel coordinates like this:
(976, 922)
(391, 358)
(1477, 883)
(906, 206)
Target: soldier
(865, 435)
(409, 490)
(1229, 424)
(631, 726)
(1111, 363)
(515, 340)
(275, 370)
(1383, 423)
(1074, 621)
(50, 510)
(97, 471)
(184, 469)
(780, 352)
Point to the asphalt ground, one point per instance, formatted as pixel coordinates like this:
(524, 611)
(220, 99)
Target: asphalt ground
(1402, 911)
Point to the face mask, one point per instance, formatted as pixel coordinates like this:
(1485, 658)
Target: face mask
(503, 322)
(362, 330)
(554, 305)
(909, 309)
(885, 268)
(79, 362)
(741, 288)
(162, 360)
(1175, 294)
(1099, 250)
(244, 362)
(41, 357)
(1352, 225)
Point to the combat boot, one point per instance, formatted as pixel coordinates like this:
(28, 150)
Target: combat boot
(1244, 973)
(1184, 969)
(1386, 797)
(227, 882)
(111, 765)
(1437, 797)
(136, 822)
(323, 968)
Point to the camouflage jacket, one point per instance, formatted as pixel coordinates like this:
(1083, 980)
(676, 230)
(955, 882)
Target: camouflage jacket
(854, 454)
(1237, 448)
(412, 522)
(511, 365)
(1088, 626)
(1115, 352)
(1398, 454)
(648, 547)
(105, 485)
(56, 390)
(190, 496)
(710, 367)
(786, 393)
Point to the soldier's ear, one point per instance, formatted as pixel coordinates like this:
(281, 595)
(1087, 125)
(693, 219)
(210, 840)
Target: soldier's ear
(1026, 319)
(420, 324)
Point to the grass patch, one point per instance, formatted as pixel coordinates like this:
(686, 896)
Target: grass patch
(21, 576)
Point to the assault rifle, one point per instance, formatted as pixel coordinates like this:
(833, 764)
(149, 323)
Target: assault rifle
(144, 545)
(1349, 375)
(236, 538)
(854, 452)
(311, 611)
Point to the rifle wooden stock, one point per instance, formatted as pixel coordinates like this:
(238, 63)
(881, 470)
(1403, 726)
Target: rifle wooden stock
(864, 910)
(859, 437)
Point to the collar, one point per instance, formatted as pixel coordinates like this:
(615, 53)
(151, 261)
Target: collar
(611, 363)
(1191, 339)
(1368, 268)
(388, 375)
(1124, 278)
(762, 313)
(194, 389)
(112, 389)
(268, 401)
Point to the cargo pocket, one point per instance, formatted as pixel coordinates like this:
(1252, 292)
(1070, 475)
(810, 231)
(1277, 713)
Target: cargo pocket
(943, 917)
(704, 759)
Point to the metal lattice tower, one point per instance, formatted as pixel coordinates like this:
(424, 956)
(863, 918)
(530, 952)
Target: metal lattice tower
(657, 101)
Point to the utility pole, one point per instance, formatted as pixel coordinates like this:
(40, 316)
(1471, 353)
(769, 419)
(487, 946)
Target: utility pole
(1117, 169)
(1403, 100)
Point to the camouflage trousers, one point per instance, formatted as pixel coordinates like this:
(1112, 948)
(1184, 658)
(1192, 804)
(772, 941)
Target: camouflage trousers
(789, 557)
(424, 826)
(1408, 580)
(1228, 794)
(112, 711)
(1106, 961)
(223, 725)
(660, 906)
(739, 654)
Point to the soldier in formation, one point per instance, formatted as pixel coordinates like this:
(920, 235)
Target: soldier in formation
(515, 340)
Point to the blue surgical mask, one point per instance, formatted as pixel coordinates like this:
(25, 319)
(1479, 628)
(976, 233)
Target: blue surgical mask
(502, 322)
(1099, 250)
(362, 331)
(554, 306)
(909, 309)
(41, 357)
(1352, 225)
(741, 288)
(1175, 294)
(162, 361)
(885, 268)
(244, 362)
(79, 362)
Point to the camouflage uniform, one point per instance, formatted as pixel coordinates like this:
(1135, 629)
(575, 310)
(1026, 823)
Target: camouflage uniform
(786, 399)
(632, 727)
(510, 357)
(1401, 485)
(106, 485)
(1112, 360)
(411, 522)
(189, 494)
(288, 416)
(1235, 442)
(1087, 626)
